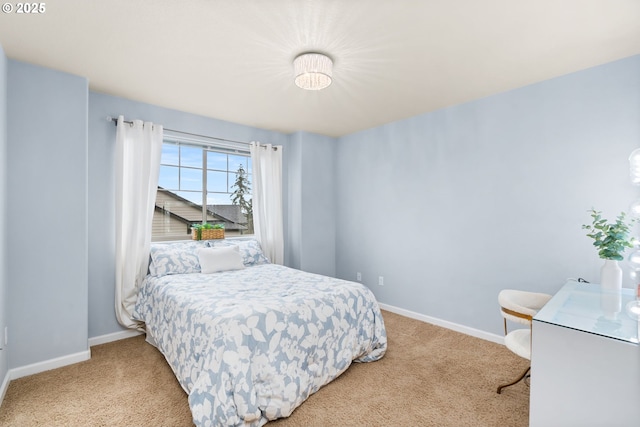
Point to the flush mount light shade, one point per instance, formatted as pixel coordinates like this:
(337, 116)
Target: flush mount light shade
(313, 71)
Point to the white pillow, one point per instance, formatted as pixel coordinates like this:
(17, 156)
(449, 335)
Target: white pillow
(213, 260)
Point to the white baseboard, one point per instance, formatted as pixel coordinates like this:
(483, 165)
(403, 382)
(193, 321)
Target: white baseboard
(69, 359)
(59, 362)
(50, 364)
(445, 324)
(4, 386)
(116, 336)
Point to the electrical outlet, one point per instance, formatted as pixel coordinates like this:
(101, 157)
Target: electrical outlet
(359, 276)
(380, 280)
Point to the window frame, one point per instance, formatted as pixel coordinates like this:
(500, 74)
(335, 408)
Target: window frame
(228, 150)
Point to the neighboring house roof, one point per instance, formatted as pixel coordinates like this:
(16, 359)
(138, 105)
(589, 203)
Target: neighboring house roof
(188, 212)
(232, 213)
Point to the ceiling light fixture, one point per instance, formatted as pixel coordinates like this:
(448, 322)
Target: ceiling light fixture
(312, 70)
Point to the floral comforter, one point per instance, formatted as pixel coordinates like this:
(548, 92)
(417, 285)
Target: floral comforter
(251, 345)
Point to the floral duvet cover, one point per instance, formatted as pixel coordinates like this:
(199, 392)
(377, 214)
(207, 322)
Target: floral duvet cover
(251, 345)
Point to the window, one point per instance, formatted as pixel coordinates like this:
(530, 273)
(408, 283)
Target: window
(202, 184)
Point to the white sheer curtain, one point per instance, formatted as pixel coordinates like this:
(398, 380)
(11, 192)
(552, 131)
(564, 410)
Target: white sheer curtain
(138, 151)
(267, 199)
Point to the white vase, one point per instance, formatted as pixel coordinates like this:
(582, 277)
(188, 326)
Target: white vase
(611, 275)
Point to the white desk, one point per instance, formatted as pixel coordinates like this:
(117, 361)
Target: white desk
(585, 360)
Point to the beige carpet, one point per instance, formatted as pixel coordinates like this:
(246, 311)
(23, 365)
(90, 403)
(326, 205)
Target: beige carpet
(430, 376)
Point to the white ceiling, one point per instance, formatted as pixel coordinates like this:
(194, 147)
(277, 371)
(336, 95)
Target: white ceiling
(232, 59)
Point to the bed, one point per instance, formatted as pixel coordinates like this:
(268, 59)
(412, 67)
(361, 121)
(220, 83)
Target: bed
(249, 341)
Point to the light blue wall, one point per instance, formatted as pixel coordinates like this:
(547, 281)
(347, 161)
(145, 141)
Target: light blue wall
(46, 232)
(4, 367)
(102, 136)
(453, 206)
(311, 203)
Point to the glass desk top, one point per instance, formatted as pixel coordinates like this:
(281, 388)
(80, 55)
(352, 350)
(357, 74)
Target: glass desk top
(588, 308)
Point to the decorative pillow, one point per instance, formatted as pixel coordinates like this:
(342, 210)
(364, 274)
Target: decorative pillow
(175, 258)
(214, 260)
(249, 249)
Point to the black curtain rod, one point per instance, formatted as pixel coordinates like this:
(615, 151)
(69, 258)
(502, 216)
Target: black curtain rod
(115, 122)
